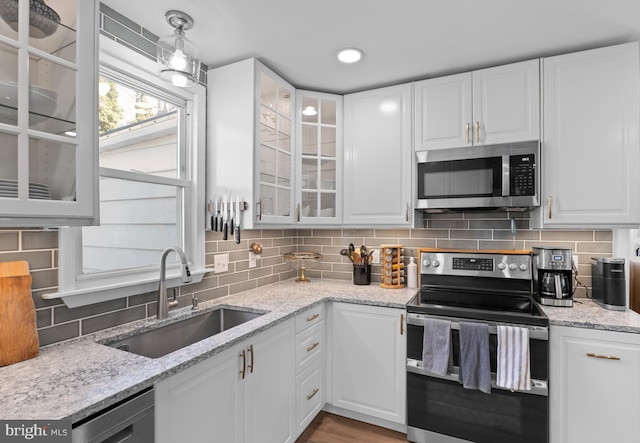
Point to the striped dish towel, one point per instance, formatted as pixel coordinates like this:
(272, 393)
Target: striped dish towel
(513, 362)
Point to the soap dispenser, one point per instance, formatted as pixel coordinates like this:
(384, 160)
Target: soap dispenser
(412, 274)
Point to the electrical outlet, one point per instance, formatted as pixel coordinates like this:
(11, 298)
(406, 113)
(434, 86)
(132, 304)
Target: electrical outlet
(221, 263)
(253, 260)
(575, 261)
(376, 257)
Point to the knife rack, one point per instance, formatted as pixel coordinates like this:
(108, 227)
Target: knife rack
(392, 266)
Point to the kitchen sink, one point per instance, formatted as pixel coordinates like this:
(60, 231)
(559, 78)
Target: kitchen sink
(161, 341)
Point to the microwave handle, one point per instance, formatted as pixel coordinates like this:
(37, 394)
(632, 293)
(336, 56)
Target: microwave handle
(506, 179)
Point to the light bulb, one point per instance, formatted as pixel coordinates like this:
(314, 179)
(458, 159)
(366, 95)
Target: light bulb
(179, 80)
(309, 110)
(178, 60)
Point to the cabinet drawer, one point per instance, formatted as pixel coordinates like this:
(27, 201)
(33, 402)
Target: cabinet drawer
(309, 395)
(310, 317)
(309, 346)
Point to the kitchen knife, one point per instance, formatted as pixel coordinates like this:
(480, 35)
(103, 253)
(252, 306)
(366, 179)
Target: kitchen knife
(225, 216)
(238, 215)
(210, 212)
(232, 212)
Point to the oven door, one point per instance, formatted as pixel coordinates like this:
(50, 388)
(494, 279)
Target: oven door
(439, 409)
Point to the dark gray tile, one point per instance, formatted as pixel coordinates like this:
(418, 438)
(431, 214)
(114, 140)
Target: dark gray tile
(41, 302)
(105, 321)
(58, 333)
(490, 224)
(9, 241)
(39, 240)
(43, 318)
(62, 314)
(47, 278)
(150, 35)
(36, 259)
(448, 224)
(125, 34)
(471, 234)
(142, 299)
(112, 14)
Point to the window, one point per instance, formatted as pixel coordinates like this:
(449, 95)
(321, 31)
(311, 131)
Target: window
(151, 185)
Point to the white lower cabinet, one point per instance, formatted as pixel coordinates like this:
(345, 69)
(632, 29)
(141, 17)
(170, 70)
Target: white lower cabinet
(368, 361)
(594, 386)
(310, 366)
(244, 394)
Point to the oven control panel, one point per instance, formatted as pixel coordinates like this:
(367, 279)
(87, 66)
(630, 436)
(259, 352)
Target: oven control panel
(476, 264)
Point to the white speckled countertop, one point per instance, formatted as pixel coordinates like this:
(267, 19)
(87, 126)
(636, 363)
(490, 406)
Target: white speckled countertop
(75, 379)
(587, 314)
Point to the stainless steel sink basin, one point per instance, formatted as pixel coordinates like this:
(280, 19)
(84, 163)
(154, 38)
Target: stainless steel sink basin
(161, 341)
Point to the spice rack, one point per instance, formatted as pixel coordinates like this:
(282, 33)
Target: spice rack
(392, 266)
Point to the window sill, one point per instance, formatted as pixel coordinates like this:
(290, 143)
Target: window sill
(89, 296)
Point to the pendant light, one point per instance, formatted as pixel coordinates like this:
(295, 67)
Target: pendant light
(178, 57)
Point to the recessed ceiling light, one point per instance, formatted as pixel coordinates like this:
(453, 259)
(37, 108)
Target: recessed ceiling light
(349, 55)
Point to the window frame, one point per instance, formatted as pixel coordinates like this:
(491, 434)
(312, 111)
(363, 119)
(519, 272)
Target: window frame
(77, 289)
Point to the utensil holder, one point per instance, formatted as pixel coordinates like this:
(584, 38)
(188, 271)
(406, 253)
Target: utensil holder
(361, 274)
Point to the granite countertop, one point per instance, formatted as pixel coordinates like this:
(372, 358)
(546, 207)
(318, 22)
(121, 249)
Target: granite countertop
(587, 314)
(74, 379)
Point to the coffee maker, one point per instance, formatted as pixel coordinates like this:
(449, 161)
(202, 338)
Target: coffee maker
(552, 276)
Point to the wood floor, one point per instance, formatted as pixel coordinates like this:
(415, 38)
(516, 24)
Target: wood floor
(329, 428)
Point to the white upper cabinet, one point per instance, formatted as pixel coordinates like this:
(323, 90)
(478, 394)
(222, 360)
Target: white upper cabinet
(319, 158)
(377, 157)
(488, 106)
(250, 141)
(48, 118)
(591, 138)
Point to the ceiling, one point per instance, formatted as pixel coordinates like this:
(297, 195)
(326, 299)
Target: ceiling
(402, 40)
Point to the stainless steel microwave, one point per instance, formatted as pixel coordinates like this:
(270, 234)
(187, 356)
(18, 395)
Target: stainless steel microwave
(504, 176)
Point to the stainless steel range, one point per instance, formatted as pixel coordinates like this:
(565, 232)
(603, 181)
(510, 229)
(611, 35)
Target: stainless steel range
(488, 287)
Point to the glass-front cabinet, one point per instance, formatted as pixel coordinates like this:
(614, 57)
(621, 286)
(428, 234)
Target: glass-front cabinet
(48, 112)
(319, 148)
(275, 135)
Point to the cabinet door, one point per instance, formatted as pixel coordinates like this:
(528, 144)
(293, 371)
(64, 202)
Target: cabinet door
(319, 158)
(48, 124)
(274, 147)
(591, 136)
(443, 112)
(595, 386)
(202, 403)
(269, 390)
(369, 360)
(377, 159)
(506, 103)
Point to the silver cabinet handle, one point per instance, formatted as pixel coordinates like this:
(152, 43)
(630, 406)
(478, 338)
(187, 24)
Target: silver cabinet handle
(313, 346)
(315, 391)
(477, 132)
(251, 364)
(549, 203)
(406, 213)
(468, 135)
(260, 212)
(244, 363)
(604, 357)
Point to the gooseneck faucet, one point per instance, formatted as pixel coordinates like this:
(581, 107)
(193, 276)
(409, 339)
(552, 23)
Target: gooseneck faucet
(163, 303)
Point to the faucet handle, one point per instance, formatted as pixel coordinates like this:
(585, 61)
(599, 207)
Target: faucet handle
(173, 303)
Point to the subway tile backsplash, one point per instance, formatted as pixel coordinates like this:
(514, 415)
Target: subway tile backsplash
(56, 322)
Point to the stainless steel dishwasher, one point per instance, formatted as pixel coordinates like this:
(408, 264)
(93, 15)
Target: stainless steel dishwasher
(130, 421)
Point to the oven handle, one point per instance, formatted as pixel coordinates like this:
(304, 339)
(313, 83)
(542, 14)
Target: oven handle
(535, 332)
(538, 387)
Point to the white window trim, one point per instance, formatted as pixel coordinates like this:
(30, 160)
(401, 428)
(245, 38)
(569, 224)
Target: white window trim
(76, 289)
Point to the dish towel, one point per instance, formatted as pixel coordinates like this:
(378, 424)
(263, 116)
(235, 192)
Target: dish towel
(436, 346)
(475, 367)
(513, 358)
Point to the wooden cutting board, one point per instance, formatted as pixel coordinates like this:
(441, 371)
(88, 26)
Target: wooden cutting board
(18, 329)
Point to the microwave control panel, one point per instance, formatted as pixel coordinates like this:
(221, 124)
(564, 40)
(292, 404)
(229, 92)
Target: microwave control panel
(522, 172)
